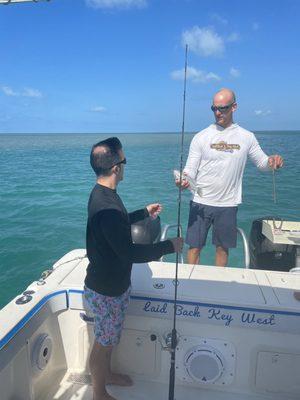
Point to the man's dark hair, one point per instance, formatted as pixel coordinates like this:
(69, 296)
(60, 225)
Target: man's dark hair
(104, 155)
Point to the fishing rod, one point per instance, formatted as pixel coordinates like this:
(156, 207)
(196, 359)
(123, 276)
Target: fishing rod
(6, 2)
(174, 332)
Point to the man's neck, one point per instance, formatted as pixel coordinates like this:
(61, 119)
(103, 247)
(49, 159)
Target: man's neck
(107, 182)
(227, 126)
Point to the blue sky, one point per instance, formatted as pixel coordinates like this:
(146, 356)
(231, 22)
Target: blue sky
(116, 65)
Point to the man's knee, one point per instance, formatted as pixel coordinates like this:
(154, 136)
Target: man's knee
(221, 250)
(193, 255)
(194, 251)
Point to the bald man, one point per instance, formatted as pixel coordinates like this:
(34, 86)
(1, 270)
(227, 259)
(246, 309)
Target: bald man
(216, 160)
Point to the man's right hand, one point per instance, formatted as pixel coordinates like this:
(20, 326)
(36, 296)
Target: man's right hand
(184, 182)
(177, 244)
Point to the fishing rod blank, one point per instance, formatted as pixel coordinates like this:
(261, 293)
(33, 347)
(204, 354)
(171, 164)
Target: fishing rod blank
(174, 332)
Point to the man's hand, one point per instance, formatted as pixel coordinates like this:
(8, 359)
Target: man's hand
(184, 182)
(177, 244)
(275, 161)
(154, 209)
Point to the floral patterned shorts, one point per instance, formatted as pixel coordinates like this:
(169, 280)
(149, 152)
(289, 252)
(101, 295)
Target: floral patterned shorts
(109, 315)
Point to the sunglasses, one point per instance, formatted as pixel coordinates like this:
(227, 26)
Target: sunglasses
(221, 108)
(120, 162)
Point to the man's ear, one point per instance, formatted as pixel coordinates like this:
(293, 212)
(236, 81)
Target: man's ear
(116, 169)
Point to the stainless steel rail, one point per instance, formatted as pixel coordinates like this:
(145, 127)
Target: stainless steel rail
(246, 247)
(164, 236)
(166, 228)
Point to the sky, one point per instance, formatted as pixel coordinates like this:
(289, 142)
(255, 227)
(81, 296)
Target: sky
(112, 66)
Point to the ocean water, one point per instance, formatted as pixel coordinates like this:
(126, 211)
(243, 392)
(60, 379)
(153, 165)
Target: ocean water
(46, 181)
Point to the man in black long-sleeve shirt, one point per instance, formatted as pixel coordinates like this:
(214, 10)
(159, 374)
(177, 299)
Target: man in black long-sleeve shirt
(111, 252)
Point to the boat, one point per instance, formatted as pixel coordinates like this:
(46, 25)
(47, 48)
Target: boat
(238, 329)
(238, 333)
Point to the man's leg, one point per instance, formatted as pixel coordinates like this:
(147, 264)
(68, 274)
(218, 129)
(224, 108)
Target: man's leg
(193, 255)
(224, 233)
(109, 314)
(198, 227)
(113, 378)
(221, 256)
(100, 367)
(100, 361)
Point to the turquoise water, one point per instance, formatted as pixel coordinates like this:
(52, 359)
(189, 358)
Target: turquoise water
(46, 180)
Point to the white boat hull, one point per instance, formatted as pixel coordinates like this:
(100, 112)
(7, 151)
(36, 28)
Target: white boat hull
(238, 335)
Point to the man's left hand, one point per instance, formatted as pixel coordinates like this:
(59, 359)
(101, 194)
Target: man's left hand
(154, 209)
(275, 161)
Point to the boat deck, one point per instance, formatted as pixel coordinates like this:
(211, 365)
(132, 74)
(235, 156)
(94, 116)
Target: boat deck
(76, 386)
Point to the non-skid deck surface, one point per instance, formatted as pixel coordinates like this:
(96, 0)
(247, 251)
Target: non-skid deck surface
(141, 390)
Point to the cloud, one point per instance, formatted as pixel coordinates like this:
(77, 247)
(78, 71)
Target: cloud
(27, 92)
(98, 109)
(9, 91)
(195, 75)
(203, 41)
(233, 37)
(109, 4)
(235, 73)
(30, 92)
(255, 26)
(262, 113)
(219, 18)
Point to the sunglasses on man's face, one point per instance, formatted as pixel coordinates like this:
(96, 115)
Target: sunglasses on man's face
(120, 162)
(221, 108)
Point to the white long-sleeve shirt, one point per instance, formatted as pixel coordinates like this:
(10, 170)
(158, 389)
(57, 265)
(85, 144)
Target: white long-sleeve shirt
(217, 160)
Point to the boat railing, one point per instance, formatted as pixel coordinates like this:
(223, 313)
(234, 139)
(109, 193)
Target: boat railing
(295, 270)
(245, 247)
(166, 228)
(164, 236)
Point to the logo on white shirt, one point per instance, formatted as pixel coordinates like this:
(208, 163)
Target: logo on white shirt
(226, 147)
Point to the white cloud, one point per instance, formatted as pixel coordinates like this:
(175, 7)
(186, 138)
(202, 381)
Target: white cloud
(30, 92)
(219, 18)
(27, 92)
(98, 109)
(9, 91)
(233, 37)
(203, 41)
(255, 26)
(195, 75)
(235, 73)
(262, 113)
(116, 3)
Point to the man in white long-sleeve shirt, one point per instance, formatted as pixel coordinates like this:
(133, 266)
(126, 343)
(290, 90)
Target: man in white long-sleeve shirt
(216, 161)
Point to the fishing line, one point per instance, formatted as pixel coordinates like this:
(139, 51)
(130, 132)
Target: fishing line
(274, 186)
(174, 332)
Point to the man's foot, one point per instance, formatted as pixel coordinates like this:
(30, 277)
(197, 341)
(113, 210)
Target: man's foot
(105, 396)
(119, 379)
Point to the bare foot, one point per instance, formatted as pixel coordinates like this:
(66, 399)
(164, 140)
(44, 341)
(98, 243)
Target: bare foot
(119, 379)
(105, 396)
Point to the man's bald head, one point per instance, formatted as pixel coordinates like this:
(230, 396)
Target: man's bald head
(225, 96)
(224, 105)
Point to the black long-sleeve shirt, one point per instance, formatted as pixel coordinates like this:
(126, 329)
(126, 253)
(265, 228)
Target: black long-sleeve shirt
(109, 245)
